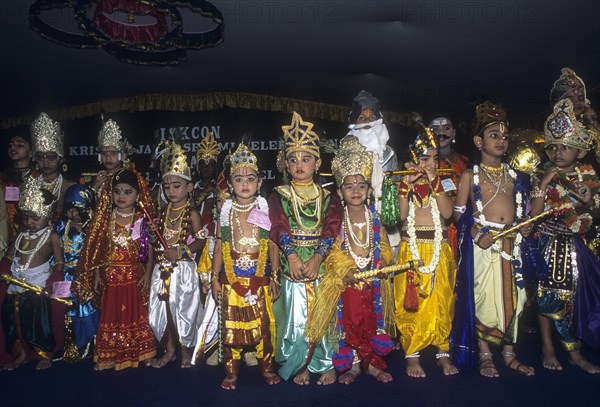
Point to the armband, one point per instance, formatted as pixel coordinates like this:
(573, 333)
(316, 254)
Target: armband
(460, 209)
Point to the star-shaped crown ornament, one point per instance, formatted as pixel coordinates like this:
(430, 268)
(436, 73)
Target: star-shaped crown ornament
(300, 137)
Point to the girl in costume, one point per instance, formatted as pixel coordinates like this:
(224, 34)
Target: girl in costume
(305, 220)
(115, 269)
(242, 272)
(425, 297)
(365, 308)
(569, 294)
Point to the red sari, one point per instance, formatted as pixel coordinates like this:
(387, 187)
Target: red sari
(124, 335)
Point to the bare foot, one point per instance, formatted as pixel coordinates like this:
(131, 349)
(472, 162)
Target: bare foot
(579, 360)
(163, 360)
(327, 378)
(379, 375)
(396, 345)
(229, 383)
(512, 362)
(486, 365)
(349, 376)
(21, 359)
(302, 378)
(43, 364)
(447, 365)
(549, 360)
(413, 368)
(186, 357)
(271, 378)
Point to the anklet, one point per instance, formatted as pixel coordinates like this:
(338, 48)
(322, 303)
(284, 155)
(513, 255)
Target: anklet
(507, 354)
(442, 355)
(412, 355)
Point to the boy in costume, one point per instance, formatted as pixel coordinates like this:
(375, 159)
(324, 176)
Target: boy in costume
(26, 315)
(175, 284)
(305, 220)
(425, 297)
(365, 308)
(491, 289)
(569, 295)
(242, 272)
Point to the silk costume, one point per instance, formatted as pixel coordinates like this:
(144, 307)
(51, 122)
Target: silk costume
(304, 235)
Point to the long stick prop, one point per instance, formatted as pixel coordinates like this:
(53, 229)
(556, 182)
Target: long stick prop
(524, 223)
(409, 265)
(160, 237)
(36, 289)
(412, 172)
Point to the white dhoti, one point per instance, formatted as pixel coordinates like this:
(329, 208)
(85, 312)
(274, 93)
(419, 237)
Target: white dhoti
(184, 302)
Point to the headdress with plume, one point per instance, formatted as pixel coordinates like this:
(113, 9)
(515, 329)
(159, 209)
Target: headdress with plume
(82, 198)
(46, 136)
(562, 127)
(32, 198)
(424, 142)
(486, 114)
(208, 148)
(567, 81)
(352, 158)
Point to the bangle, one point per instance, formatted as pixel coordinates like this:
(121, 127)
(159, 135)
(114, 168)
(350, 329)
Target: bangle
(537, 193)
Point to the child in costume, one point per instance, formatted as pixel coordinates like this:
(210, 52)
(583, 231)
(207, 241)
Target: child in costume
(26, 315)
(116, 266)
(568, 296)
(425, 297)
(491, 289)
(82, 317)
(48, 152)
(365, 308)
(242, 272)
(175, 284)
(305, 220)
(113, 153)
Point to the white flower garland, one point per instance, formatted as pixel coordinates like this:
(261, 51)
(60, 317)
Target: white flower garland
(437, 237)
(227, 205)
(516, 247)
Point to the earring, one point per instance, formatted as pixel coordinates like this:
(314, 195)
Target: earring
(64, 167)
(453, 140)
(369, 200)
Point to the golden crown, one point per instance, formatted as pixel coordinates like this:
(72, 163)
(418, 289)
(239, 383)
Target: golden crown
(208, 148)
(174, 161)
(562, 127)
(46, 136)
(299, 136)
(352, 158)
(243, 157)
(31, 199)
(424, 142)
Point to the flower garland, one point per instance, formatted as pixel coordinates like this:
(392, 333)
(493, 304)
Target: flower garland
(515, 256)
(577, 218)
(437, 237)
(256, 281)
(381, 341)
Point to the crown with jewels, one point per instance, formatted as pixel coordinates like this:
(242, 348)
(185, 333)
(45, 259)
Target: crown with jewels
(424, 142)
(562, 127)
(567, 81)
(208, 148)
(352, 158)
(110, 136)
(46, 136)
(486, 114)
(31, 199)
(243, 157)
(174, 161)
(299, 136)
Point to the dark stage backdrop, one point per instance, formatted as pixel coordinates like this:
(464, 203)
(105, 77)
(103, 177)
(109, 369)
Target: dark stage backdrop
(228, 125)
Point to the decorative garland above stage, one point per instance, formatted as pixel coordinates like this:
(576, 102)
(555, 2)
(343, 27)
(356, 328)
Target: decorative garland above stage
(204, 102)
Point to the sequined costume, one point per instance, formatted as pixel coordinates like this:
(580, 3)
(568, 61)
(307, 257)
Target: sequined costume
(304, 228)
(84, 316)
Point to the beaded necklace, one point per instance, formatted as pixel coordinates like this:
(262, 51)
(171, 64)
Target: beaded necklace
(52, 186)
(299, 203)
(21, 268)
(515, 256)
